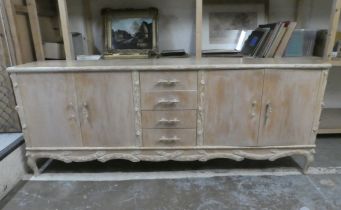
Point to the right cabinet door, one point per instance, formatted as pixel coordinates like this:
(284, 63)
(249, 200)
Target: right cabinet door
(289, 105)
(232, 107)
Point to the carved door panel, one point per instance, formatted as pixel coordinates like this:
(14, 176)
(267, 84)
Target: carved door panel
(289, 105)
(106, 108)
(232, 107)
(50, 110)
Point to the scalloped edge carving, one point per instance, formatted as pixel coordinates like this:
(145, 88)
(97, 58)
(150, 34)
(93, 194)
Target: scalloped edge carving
(176, 155)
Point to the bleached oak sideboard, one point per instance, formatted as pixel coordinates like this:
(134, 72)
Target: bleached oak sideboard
(170, 109)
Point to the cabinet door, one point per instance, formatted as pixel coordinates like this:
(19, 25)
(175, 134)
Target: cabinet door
(106, 108)
(50, 110)
(289, 107)
(232, 107)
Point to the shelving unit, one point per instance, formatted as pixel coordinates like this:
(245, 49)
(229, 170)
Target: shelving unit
(199, 7)
(331, 116)
(330, 121)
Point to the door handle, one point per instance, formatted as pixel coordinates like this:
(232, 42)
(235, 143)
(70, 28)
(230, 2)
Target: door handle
(268, 111)
(253, 109)
(85, 111)
(72, 115)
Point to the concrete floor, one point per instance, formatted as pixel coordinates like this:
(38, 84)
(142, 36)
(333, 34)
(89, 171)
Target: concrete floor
(271, 190)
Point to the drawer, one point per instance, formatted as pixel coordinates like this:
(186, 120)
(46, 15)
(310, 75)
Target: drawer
(169, 119)
(169, 137)
(160, 81)
(169, 100)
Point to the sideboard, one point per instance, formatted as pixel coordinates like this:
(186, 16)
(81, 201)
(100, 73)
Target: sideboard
(170, 109)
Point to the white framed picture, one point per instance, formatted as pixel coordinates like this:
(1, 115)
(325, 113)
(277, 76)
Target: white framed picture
(224, 25)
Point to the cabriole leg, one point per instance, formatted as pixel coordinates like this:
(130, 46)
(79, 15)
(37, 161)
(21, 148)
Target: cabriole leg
(31, 162)
(309, 159)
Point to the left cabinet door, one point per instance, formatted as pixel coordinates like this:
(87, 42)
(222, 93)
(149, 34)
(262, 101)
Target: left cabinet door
(106, 108)
(50, 110)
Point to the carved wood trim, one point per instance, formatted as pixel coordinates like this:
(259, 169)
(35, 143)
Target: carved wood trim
(176, 155)
(20, 107)
(201, 104)
(137, 107)
(320, 103)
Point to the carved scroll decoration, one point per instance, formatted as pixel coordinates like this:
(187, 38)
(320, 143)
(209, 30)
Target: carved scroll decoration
(177, 155)
(201, 104)
(137, 107)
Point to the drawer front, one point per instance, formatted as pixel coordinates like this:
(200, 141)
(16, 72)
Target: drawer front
(169, 119)
(169, 100)
(169, 137)
(160, 81)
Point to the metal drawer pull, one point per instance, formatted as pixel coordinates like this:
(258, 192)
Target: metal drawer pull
(174, 139)
(165, 121)
(167, 82)
(168, 101)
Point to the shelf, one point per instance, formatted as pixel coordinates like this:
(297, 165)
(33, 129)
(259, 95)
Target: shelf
(336, 62)
(330, 121)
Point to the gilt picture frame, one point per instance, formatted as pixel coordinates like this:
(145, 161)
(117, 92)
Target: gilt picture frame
(130, 31)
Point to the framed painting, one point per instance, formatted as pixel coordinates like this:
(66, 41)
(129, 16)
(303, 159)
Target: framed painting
(225, 25)
(130, 32)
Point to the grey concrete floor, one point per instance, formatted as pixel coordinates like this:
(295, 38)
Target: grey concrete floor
(314, 191)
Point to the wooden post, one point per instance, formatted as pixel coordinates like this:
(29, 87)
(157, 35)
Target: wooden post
(333, 28)
(198, 28)
(12, 23)
(35, 29)
(65, 25)
(88, 26)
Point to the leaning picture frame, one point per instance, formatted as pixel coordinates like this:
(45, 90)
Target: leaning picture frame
(130, 33)
(223, 25)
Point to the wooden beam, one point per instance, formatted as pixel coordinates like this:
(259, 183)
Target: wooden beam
(198, 28)
(65, 25)
(10, 10)
(35, 29)
(267, 10)
(7, 35)
(20, 9)
(299, 14)
(333, 28)
(88, 26)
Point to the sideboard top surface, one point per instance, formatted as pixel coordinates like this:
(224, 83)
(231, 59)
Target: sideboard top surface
(172, 64)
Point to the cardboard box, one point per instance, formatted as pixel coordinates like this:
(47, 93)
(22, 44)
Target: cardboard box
(54, 51)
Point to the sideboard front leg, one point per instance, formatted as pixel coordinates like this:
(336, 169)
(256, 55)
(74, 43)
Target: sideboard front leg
(31, 162)
(309, 159)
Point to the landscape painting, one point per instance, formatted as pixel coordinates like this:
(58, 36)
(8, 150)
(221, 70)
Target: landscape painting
(132, 33)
